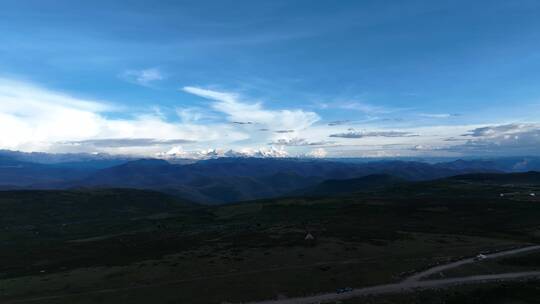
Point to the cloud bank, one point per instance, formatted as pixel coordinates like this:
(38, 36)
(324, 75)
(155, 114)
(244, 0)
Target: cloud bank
(218, 123)
(505, 139)
(33, 118)
(39, 119)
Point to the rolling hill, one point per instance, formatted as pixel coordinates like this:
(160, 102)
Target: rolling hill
(333, 187)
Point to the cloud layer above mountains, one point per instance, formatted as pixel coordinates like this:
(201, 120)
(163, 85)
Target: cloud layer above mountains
(221, 123)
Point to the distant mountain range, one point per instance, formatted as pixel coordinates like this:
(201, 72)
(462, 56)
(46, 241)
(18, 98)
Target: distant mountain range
(226, 180)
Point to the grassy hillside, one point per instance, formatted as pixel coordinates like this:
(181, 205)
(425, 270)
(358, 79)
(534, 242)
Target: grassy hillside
(346, 186)
(145, 247)
(530, 178)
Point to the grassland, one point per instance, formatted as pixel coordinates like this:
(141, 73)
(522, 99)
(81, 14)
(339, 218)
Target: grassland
(517, 263)
(152, 248)
(524, 292)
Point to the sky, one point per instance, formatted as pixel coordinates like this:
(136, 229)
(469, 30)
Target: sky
(272, 78)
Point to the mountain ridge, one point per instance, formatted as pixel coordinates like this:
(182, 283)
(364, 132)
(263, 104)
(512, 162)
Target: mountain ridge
(224, 180)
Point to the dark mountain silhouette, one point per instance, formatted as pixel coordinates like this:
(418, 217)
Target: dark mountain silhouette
(531, 177)
(345, 186)
(26, 174)
(230, 179)
(236, 179)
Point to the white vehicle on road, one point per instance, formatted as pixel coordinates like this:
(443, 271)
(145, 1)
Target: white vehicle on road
(480, 257)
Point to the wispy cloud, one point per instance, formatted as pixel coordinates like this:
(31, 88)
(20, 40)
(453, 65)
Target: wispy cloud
(359, 106)
(361, 134)
(365, 107)
(20, 97)
(195, 115)
(437, 115)
(127, 142)
(299, 142)
(338, 122)
(236, 109)
(143, 77)
(284, 131)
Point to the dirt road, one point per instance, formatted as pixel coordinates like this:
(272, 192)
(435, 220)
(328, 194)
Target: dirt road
(413, 282)
(437, 269)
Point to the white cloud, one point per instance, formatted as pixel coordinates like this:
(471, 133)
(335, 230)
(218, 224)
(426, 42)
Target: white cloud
(191, 114)
(143, 77)
(36, 119)
(33, 118)
(359, 106)
(504, 139)
(295, 141)
(126, 142)
(364, 107)
(238, 110)
(20, 98)
(338, 122)
(363, 134)
(39, 119)
(437, 115)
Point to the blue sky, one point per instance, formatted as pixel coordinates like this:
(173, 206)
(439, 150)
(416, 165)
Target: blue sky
(318, 78)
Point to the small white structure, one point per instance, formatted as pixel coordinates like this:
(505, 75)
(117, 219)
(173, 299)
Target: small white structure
(501, 195)
(309, 237)
(533, 194)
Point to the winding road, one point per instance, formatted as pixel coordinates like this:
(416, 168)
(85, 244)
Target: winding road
(414, 282)
(437, 269)
(411, 283)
